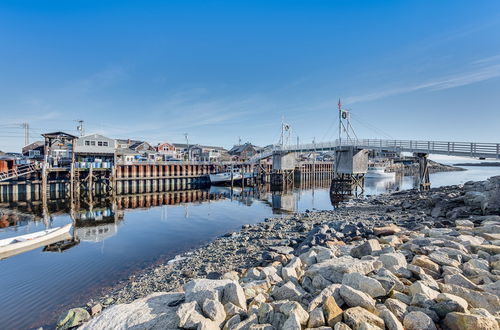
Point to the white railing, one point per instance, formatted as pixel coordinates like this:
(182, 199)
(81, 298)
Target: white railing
(472, 149)
(19, 171)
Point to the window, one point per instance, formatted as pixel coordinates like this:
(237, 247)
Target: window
(99, 143)
(104, 144)
(87, 143)
(92, 143)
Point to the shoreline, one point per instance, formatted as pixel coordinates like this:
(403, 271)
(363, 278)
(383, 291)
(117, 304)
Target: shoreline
(258, 245)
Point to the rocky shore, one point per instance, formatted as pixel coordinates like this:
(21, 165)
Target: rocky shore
(434, 167)
(407, 260)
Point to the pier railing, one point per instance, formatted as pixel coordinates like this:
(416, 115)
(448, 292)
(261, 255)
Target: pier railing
(18, 171)
(452, 148)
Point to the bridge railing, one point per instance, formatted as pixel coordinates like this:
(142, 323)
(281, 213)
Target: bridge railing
(473, 149)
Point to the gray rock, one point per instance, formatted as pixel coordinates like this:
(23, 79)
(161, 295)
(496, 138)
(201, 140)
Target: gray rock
(390, 320)
(355, 298)
(288, 291)
(72, 318)
(443, 259)
(356, 316)
(289, 274)
(334, 269)
(476, 267)
(261, 327)
(207, 324)
(232, 322)
(319, 282)
(367, 248)
(234, 293)
(393, 261)
(365, 284)
(341, 326)
(281, 249)
(420, 287)
(246, 324)
(316, 318)
(465, 321)
(189, 315)
(294, 308)
(418, 321)
(156, 311)
(397, 307)
(265, 313)
(459, 279)
(292, 323)
(476, 299)
(231, 309)
(200, 289)
(332, 290)
(214, 310)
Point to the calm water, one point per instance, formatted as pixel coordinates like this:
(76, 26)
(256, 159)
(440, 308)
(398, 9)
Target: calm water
(117, 239)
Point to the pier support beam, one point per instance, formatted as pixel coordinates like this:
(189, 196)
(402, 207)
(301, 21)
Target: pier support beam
(423, 171)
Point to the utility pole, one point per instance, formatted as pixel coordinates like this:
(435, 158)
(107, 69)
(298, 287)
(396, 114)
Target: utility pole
(80, 127)
(26, 127)
(186, 135)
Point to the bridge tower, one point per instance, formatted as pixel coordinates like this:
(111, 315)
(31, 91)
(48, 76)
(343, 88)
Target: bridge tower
(350, 162)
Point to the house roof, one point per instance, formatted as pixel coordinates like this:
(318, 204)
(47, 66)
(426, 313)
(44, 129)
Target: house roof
(240, 148)
(33, 145)
(95, 135)
(126, 151)
(59, 134)
(184, 146)
(122, 141)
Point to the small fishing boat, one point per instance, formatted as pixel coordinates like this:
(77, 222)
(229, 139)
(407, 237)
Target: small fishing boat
(378, 172)
(19, 244)
(234, 174)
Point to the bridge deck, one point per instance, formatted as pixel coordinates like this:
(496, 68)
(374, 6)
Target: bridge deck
(467, 149)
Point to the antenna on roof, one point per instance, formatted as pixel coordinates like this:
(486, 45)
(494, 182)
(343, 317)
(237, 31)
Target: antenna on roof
(80, 128)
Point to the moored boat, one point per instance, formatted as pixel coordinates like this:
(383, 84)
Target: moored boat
(19, 244)
(234, 174)
(378, 172)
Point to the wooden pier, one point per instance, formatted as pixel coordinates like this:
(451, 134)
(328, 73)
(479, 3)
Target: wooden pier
(138, 178)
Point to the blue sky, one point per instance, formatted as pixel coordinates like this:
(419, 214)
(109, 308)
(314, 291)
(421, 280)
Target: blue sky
(220, 70)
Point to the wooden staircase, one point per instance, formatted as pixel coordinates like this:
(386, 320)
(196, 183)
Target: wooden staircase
(19, 171)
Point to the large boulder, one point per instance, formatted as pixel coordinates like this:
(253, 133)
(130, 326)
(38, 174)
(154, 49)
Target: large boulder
(365, 284)
(334, 269)
(356, 316)
(222, 290)
(355, 298)
(418, 321)
(465, 321)
(366, 248)
(156, 311)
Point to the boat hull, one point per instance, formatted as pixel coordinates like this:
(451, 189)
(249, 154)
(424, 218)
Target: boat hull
(51, 236)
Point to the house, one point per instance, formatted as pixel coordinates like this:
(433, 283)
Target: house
(181, 150)
(34, 150)
(197, 152)
(134, 150)
(166, 151)
(95, 148)
(59, 148)
(215, 154)
(243, 151)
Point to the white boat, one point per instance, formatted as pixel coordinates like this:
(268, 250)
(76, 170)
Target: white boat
(19, 244)
(378, 172)
(233, 174)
